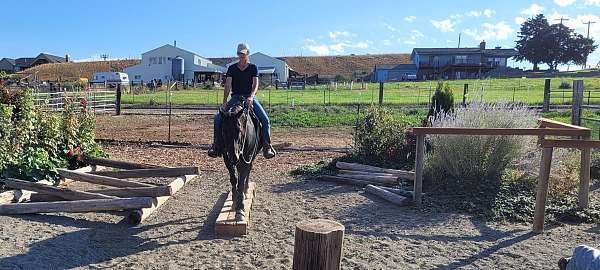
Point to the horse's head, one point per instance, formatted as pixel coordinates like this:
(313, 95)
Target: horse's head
(234, 129)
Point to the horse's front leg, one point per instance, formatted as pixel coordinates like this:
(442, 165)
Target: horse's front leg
(242, 189)
(233, 180)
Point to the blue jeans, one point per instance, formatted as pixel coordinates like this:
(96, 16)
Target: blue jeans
(260, 113)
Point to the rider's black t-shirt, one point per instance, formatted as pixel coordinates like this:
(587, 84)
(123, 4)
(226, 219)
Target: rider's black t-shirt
(241, 81)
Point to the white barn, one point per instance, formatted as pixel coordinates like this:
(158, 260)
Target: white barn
(269, 66)
(165, 63)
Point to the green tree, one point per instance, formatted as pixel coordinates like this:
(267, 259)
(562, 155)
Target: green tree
(531, 40)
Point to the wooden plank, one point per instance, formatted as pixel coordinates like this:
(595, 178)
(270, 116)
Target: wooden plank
(388, 196)
(542, 190)
(349, 181)
(500, 131)
(138, 216)
(129, 192)
(367, 173)
(549, 123)
(99, 179)
(117, 163)
(368, 168)
(75, 206)
(152, 172)
(418, 184)
(379, 179)
(226, 225)
(64, 193)
(581, 144)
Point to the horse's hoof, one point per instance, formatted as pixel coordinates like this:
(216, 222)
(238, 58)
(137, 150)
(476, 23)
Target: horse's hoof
(240, 215)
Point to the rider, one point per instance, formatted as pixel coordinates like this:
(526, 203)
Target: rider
(241, 80)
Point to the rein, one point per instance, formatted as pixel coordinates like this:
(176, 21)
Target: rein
(244, 134)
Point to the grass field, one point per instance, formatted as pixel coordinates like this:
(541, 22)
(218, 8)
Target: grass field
(528, 91)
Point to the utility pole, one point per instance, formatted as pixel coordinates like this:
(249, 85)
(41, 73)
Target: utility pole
(561, 20)
(459, 34)
(589, 23)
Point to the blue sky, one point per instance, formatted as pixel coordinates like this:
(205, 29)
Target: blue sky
(125, 29)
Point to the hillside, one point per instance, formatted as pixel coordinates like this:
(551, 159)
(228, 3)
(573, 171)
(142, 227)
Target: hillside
(74, 70)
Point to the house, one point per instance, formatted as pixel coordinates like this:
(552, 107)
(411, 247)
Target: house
(44, 58)
(9, 65)
(459, 63)
(170, 63)
(394, 73)
(269, 67)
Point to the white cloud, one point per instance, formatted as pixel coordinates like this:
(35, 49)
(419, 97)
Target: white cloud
(474, 13)
(336, 34)
(446, 25)
(520, 20)
(489, 12)
(319, 49)
(498, 31)
(564, 3)
(533, 10)
(386, 42)
(592, 3)
(410, 42)
(414, 37)
(390, 27)
(410, 18)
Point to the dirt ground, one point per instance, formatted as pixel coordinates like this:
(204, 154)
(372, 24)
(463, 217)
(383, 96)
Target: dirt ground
(181, 234)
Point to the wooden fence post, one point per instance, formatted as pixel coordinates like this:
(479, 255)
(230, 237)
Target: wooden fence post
(546, 107)
(542, 190)
(118, 100)
(318, 245)
(465, 91)
(418, 185)
(380, 93)
(577, 102)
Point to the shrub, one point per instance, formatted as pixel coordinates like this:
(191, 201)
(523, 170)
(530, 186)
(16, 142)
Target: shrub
(472, 161)
(379, 139)
(33, 143)
(564, 85)
(442, 101)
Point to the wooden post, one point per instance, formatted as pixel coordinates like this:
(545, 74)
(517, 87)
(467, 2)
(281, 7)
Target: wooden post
(542, 190)
(380, 93)
(577, 102)
(465, 91)
(546, 107)
(118, 100)
(584, 178)
(318, 245)
(418, 185)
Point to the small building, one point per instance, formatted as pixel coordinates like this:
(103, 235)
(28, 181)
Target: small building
(9, 65)
(459, 63)
(170, 63)
(44, 58)
(394, 73)
(269, 68)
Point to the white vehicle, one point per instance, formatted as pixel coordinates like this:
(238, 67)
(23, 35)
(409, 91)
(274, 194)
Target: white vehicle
(410, 77)
(111, 77)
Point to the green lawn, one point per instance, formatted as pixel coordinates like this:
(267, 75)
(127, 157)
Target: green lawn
(529, 91)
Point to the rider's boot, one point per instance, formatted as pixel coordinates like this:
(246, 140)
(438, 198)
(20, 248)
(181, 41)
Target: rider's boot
(268, 150)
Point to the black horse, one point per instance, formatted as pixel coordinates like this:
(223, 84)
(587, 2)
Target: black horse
(241, 142)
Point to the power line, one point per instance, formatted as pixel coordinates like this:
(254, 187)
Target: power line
(561, 20)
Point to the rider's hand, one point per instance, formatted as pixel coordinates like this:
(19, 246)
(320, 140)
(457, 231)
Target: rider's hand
(250, 101)
(223, 107)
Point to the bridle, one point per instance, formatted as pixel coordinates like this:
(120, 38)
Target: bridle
(246, 111)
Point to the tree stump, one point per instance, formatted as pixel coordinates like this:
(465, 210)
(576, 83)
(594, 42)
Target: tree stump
(318, 245)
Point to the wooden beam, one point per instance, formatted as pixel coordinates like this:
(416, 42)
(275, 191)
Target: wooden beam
(117, 163)
(378, 179)
(418, 184)
(63, 193)
(99, 179)
(500, 131)
(129, 192)
(367, 173)
(138, 216)
(548, 123)
(387, 195)
(75, 206)
(348, 181)
(9, 196)
(318, 245)
(368, 168)
(152, 172)
(542, 190)
(580, 144)
(226, 225)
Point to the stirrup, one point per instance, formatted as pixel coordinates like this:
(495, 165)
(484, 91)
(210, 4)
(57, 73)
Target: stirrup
(214, 152)
(269, 152)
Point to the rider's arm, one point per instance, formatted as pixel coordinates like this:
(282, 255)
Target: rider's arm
(254, 86)
(227, 89)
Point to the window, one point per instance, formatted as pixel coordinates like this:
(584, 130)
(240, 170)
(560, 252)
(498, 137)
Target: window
(137, 77)
(160, 60)
(169, 58)
(461, 59)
